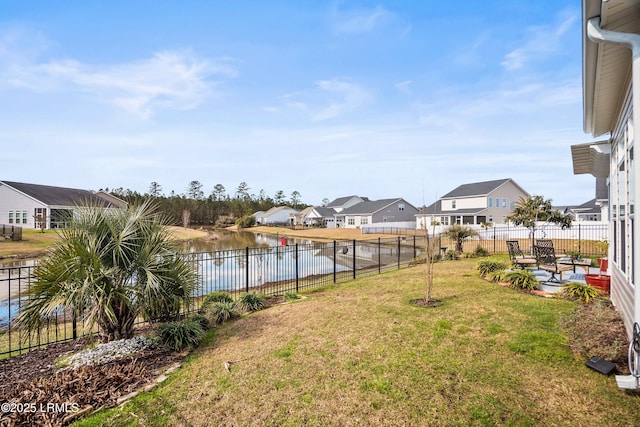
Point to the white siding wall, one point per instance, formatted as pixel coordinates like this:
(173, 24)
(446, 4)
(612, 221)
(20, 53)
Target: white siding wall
(11, 200)
(621, 237)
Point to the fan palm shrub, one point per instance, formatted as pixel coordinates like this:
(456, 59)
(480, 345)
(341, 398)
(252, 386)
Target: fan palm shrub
(221, 311)
(522, 279)
(252, 301)
(459, 233)
(111, 265)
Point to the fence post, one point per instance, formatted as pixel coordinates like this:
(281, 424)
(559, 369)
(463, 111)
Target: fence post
(74, 324)
(354, 258)
(415, 251)
(379, 258)
(297, 275)
(398, 252)
(334, 260)
(246, 266)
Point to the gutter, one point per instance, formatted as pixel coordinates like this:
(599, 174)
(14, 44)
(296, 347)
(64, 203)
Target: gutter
(632, 41)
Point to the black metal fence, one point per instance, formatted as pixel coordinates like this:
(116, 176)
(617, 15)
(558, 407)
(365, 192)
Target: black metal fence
(272, 271)
(10, 232)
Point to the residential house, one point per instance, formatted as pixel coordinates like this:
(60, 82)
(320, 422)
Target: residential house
(376, 212)
(337, 206)
(316, 216)
(27, 205)
(611, 106)
(474, 204)
(279, 215)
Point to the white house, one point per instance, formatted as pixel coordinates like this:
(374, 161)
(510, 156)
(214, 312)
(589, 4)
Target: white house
(278, 215)
(376, 212)
(26, 205)
(474, 204)
(611, 106)
(338, 205)
(315, 216)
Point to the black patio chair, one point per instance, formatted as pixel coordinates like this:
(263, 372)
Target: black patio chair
(546, 259)
(517, 256)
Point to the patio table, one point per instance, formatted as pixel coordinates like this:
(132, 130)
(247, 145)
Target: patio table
(584, 263)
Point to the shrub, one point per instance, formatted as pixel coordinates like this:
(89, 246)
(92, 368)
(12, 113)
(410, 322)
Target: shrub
(290, 296)
(522, 279)
(246, 221)
(497, 276)
(451, 255)
(252, 301)
(221, 311)
(179, 335)
(480, 252)
(204, 322)
(579, 291)
(217, 296)
(486, 267)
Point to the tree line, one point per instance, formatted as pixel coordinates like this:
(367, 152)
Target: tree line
(218, 208)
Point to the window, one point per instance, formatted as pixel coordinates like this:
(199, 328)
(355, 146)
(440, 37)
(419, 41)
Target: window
(512, 205)
(351, 221)
(24, 217)
(364, 221)
(453, 204)
(504, 203)
(444, 220)
(497, 202)
(10, 217)
(400, 206)
(490, 202)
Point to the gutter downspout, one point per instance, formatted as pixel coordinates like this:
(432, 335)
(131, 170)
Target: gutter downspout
(632, 41)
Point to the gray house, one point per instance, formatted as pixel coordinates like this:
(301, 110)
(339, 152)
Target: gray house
(474, 204)
(376, 212)
(27, 205)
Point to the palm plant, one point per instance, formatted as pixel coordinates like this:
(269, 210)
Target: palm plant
(459, 233)
(111, 265)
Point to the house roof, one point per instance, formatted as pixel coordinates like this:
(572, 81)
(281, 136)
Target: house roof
(369, 207)
(58, 196)
(587, 207)
(479, 188)
(324, 211)
(436, 209)
(340, 201)
(277, 209)
(605, 66)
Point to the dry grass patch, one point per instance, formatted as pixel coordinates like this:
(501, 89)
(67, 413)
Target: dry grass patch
(361, 354)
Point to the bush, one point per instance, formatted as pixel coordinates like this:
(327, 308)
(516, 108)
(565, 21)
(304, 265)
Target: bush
(217, 296)
(486, 267)
(179, 335)
(497, 276)
(252, 301)
(290, 296)
(451, 255)
(522, 279)
(221, 311)
(246, 221)
(480, 252)
(204, 322)
(579, 291)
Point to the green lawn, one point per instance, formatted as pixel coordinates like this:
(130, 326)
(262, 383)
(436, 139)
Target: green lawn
(361, 354)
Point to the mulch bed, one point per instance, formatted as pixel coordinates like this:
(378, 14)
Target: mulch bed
(32, 393)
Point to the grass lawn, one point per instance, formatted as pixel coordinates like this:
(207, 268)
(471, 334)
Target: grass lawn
(361, 354)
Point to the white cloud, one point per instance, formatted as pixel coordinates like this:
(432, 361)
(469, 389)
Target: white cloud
(177, 80)
(540, 42)
(359, 22)
(328, 99)
(404, 87)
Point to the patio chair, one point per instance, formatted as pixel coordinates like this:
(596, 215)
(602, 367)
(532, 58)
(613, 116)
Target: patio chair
(546, 259)
(517, 257)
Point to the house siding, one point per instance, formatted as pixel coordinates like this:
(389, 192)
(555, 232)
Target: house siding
(12, 200)
(621, 249)
(392, 213)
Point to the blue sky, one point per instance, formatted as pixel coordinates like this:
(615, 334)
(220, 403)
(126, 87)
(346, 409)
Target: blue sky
(381, 99)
